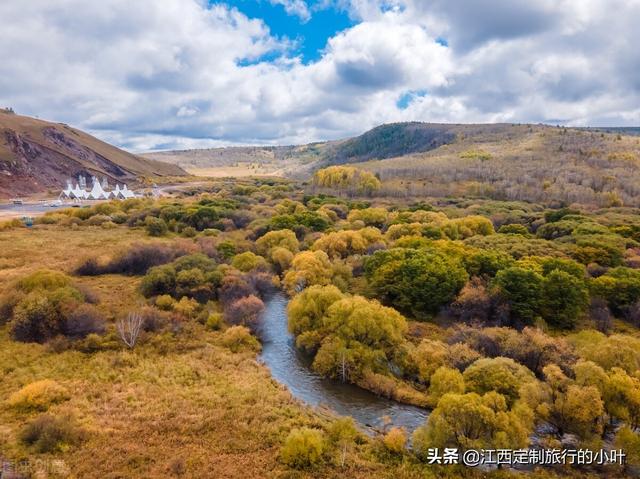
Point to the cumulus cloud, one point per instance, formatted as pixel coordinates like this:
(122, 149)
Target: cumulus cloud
(184, 73)
(298, 8)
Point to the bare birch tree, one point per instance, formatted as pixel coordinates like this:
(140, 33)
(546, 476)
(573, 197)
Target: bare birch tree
(129, 329)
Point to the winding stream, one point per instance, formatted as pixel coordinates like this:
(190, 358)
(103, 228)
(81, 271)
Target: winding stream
(291, 368)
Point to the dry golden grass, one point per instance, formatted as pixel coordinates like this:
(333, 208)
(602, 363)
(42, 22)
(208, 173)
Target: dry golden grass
(24, 250)
(179, 405)
(234, 171)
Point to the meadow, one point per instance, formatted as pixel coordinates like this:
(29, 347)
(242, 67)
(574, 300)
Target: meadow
(509, 320)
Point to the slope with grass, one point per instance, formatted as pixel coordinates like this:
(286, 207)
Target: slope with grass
(537, 163)
(36, 155)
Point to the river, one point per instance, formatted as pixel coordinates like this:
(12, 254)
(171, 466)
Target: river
(290, 367)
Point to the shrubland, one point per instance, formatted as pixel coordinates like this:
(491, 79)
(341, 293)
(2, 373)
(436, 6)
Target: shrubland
(508, 320)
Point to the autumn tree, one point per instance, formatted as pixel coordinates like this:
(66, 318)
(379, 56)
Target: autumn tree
(278, 239)
(502, 375)
(569, 407)
(306, 312)
(369, 216)
(444, 381)
(346, 179)
(426, 358)
(308, 268)
(358, 334)
(249, 261)
(474, 421)
(341, 244)
(303, 448)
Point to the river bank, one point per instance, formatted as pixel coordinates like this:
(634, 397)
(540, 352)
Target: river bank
(291, 368)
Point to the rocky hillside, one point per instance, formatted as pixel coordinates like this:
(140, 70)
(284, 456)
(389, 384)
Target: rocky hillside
(37, 155)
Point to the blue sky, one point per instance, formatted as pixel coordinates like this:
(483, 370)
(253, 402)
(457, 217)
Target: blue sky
(150, 74)
(309, 34)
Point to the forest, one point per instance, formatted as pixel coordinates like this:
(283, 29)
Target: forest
(130, 330)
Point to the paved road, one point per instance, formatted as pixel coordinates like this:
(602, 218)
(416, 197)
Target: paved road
(9, 210)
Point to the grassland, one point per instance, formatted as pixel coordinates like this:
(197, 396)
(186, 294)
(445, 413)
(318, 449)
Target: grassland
(182, 404)
(236, 171)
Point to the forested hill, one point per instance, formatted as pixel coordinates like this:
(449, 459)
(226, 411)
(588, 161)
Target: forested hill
(389, 141)
(541, 163)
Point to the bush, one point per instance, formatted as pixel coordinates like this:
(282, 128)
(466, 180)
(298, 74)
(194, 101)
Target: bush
(189, 232)
(35, 318)
(45, 303)
(153, 319)
(135, 261)
(514, 229)
(395, 440)
(8, 302)
(186, 307)
(248, 261)
(214, 321)
(244, 311)
(165, 302)
(158, 281)
(238, 338)
(48, 433)
(303, 448)
(155, 226)
(44, 279)
(38, 395)
(98, 220)
(233, 288)
(83, 320)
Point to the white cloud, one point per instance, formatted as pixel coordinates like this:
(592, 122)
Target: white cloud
(298, 8)
(149, 74)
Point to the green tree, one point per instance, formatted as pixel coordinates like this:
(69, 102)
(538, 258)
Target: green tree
(308, 268)
(417, 282)
(619, 286)
(522, 288)
(564, 298)
(155, 226)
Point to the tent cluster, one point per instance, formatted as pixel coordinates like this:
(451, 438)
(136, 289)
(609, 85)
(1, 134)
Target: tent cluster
(97, 192)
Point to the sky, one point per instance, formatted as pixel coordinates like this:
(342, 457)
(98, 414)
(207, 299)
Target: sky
(150, 75)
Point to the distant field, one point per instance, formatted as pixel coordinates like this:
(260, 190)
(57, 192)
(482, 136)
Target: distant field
(232, 171)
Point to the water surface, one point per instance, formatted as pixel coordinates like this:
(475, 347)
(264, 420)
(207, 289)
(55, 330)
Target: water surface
(290, 367)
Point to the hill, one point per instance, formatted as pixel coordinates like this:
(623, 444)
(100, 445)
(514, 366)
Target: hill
(385, 141)
(37, 155)
(541, 163)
